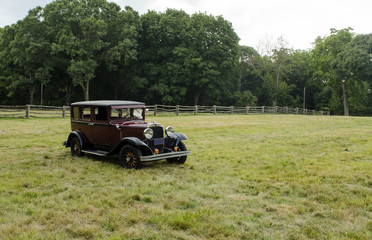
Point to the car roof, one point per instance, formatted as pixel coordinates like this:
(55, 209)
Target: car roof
(107, 103)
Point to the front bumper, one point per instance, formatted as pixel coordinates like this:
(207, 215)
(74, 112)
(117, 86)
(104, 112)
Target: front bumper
(161, 156)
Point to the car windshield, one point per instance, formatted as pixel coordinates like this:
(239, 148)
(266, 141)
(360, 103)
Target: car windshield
(127, 114)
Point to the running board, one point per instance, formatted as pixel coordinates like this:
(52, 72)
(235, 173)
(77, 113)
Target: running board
(149, 158)
(95, 152)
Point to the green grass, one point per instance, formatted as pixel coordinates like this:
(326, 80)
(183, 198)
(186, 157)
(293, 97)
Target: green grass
(248, 177)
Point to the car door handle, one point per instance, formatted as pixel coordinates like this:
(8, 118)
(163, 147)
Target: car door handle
(90, 124)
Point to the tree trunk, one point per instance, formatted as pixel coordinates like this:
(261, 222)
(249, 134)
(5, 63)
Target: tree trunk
(41, 93)
(346, 104)
(196, 98)
(68, 95)
(68, 87)
(86, 90)
(116, 82)
(32, 91)
(277, 84)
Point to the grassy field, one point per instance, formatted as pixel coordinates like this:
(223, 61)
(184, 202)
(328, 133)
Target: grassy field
(248, 177)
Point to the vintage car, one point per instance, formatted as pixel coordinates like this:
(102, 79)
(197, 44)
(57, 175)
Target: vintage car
(119, 128)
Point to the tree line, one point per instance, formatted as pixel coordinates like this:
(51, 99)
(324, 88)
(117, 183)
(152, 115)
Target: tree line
(73, 50)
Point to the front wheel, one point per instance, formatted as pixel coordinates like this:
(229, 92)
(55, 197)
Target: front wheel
(130, 157)
(182, 159)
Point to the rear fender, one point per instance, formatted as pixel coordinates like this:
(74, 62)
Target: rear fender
(77, 134)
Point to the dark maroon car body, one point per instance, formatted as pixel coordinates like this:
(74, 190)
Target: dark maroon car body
(119, 128)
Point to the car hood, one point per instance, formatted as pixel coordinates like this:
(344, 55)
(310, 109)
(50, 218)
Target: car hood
(135, 128)
(135, 123)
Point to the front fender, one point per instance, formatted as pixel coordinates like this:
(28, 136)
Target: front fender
(174, 140)
(180, 136)
(134, 142)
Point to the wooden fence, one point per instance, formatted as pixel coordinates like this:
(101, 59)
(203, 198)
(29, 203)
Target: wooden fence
(179, 109)
(35, 111)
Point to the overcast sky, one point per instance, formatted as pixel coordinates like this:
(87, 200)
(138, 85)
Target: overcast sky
(297, 21)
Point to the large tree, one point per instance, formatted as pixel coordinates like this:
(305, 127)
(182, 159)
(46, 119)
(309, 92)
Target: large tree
(354, 65)
(271, 67)
(324, 55)
(190, 59)
(25, 49)
(159, 59)
(299, 74)
(89, 34)
(211, 57)
(79, 32)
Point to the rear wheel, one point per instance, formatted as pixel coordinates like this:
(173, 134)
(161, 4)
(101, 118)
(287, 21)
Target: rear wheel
(130, 157)
(76, 147)
(182, 159)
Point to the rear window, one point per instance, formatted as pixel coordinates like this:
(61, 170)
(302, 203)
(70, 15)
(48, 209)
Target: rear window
(75, 113)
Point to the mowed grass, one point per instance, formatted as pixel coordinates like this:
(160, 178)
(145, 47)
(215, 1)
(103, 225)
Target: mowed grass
(248, 177)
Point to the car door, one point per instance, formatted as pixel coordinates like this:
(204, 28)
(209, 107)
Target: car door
(101, 127)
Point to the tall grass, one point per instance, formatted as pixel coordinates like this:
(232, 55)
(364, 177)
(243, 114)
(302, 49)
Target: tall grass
(248, 177)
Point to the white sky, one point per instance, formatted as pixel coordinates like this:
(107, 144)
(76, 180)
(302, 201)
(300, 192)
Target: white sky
(297, 21)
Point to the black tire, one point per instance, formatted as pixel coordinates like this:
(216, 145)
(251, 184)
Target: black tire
(130, 157)
(76, 147)
(182, 159)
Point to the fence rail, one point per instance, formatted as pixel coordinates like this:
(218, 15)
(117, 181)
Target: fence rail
(37, 111)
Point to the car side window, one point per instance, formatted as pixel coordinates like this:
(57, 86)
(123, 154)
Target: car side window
(116, 114)
(86, 113)
(100, 113)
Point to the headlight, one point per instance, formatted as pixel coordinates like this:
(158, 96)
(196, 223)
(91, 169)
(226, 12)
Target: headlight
(149, 133)
(169, 131)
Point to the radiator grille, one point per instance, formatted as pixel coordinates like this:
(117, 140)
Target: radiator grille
(157, 141)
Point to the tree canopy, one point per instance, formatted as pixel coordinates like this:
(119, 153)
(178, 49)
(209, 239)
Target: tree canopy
(74, 50)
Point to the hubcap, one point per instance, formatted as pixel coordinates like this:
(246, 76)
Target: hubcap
(77, 149)
(130, 159)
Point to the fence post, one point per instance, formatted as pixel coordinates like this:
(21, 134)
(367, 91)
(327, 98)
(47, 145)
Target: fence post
(196, 110)
(177, 109)
(296, 110)
(231, 109)
(276, 109)
(28, 109)
(246, 110)
(286, 110)
(63, 111)
(263, 109)
(214, 109)
(155, 109)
